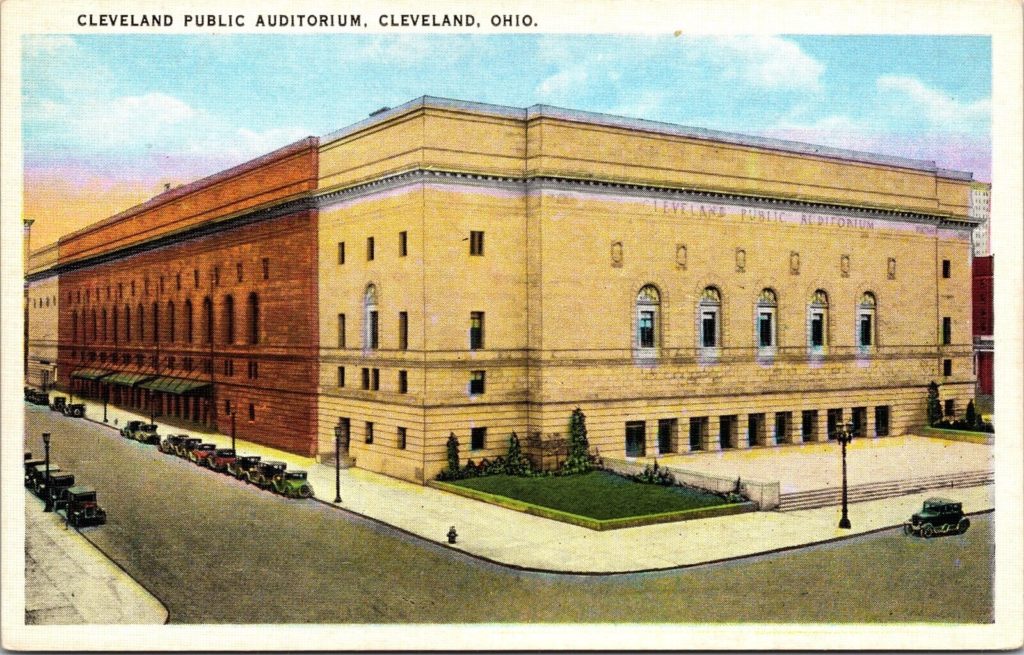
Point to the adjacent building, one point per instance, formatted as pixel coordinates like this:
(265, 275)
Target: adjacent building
(459, 268)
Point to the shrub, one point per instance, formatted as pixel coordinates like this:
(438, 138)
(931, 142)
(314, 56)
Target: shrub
(579, 459)
(453, 454)
(978, 426)
(515, 461)
(971, 415)
(655, 475)
(934, 407)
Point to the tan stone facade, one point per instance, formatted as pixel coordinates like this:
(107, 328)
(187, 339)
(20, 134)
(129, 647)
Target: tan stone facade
(579, 214)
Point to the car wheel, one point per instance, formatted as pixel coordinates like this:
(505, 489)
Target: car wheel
(963, 525)
(927, 530)
(305, 491)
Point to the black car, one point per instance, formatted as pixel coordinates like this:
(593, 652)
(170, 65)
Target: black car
(35, 476)
(58, 404)
(242, 465)
(74, 409)
(263, 474)
(938, 516)
(80, 508)
(171, 442)
(58, 482)
(31, 464)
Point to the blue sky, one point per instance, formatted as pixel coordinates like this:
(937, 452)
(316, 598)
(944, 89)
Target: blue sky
(138, 110)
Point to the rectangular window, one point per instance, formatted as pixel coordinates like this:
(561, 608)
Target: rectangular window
(709, 329)
(946, 268)
(834, 418)
(227, 407)
(252, 412)
(195, 279)
(817, 330)
(865, 330)
(238, 269)
(369, 432)
(403, 244)
(266, 268)
(341, 376)
(254, 370)
(401, 438)
(476, 243)
(341, 330)
(341, 252)
(369, 249)
(882, 421)
(375, 385)
(666, 435)
(229, 367)
(645, 328)
(697, 428)
(764, 329)
(403, 382)
(403, 330)
(947, 330)
(374, 333)
(947, 367)
(808, 424)
(476, 382)
(476, 330)
(366, 379)
(477, 438)
(950, 407)
(216, 276)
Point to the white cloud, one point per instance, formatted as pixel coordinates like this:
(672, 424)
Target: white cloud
(766, 61)
(563, 84)
(940, 108)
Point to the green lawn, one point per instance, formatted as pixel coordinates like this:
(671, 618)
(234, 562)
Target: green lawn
(598, 495)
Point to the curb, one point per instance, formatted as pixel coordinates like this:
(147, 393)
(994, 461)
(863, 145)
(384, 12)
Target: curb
(167, 610)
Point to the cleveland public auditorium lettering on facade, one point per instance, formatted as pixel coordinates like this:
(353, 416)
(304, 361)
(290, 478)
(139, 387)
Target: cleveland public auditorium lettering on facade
(451, 267)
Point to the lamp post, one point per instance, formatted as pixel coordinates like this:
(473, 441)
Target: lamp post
(844, 435)
(46, 446)
(106, 397)
(337, 463)
(233, 429)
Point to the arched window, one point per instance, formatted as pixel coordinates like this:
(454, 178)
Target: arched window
(254, 318)
(188, 321)
(767, 306)
(170, 321)
(156, 323)
(207, 320)
(103, 322)
(140, 330)
(370, 324)
(817, 321)
(866, 320)
(127, 324)
(709, 316)
(116, 327)
(648, 303)
(229, 319)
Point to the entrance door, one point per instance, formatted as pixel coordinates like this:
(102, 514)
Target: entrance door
(635, 438)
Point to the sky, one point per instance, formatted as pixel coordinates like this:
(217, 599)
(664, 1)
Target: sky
(107, 120)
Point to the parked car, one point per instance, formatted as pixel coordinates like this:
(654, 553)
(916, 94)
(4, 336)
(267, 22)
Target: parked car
(263, 474)
(938, 516)
(28, 455)
(219, 459)
(200, 452)
(74, 409)
(186, 445)
(141, 431)
(30, 465)
(129, 429)
(39, 397)
(293, 484)
(241, 466)
(58, 482)
(58, 404)
(81, 508)
(170, 443)
(36, 476)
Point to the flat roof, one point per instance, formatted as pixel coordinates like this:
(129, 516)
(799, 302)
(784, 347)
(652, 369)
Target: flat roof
(643, 125)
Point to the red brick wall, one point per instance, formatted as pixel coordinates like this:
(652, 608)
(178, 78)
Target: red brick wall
(284, 393)
(982, 296)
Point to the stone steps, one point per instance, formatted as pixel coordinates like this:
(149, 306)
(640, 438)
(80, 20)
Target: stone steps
(815, 498)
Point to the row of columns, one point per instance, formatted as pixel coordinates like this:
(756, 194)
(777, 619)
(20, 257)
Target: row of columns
(187, 407)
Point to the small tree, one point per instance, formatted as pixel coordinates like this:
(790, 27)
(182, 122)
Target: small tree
(578, 459)
(934, 407)
(453, 456)
(515, 462)
(971, 414)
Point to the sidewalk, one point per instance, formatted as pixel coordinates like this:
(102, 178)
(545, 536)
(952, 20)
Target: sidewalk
(69, 582)
(520, 540)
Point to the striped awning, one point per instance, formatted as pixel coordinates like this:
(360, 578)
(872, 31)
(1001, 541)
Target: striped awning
(128, 379)
(90, 373)
(176, 386)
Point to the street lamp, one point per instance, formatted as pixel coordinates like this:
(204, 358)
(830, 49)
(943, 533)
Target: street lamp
(233, 429)
(337, 463)
(844, 435)
(106, 397)
(46, 445)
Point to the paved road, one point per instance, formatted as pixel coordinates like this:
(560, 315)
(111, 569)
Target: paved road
(215, 550)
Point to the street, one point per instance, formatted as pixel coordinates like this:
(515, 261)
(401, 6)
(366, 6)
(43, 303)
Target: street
(216, 550)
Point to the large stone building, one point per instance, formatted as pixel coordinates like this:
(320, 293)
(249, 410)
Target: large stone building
(452, 267)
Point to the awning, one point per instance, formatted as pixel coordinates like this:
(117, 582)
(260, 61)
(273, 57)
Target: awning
(89, 373)
(176, 386)
(128, 379)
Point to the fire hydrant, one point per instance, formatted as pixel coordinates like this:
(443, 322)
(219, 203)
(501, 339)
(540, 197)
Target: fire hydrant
(452, 534)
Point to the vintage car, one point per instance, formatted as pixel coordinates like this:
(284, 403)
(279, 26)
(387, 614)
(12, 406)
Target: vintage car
(186, 445)
(200, 452)
(31, 464)
(263, 474)
(38, 397)
(938, 516)
(28, 455)
(58, 482)
(241, 466)
(129, 429)
(219, 459)
(293, 484)
(35, 476)
(74, 409)
(171, 442)
(79, 508)
(58, 404)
